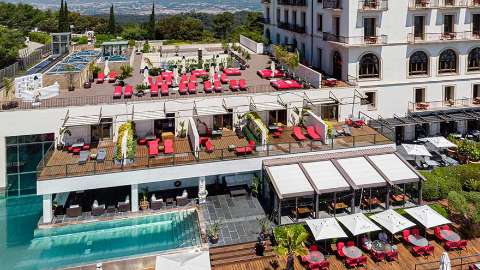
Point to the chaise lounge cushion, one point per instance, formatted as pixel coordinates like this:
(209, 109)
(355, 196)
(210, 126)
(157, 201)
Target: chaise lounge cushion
(153, 148)
(312, 133)
(298, 134)
(168, 146)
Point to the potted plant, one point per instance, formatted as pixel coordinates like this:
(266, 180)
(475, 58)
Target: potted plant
(255, 187)
(7, 94)
(291, 242)
(213, 232)
(61, 137)
(144, 202)
(183, 130)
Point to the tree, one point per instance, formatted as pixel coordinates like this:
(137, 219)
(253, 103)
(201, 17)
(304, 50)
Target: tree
(223, 24)
(66, 21)
(291, 242)
(61, 17)
(151, 23)
(111, 22)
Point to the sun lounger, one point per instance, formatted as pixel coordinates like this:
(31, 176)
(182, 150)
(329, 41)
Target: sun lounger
(267, 73)
(153, 148)
(193, 79)
(312, 133)
(100, 77)
(224, 78)
(112, 77)
(74, 211)
(298, 134)
(242, 84)
(192, 88)
(84, 156)
(232, 71)
(217, 87)
(183, 78)
(154, 90)
(168, 81)
(159, 80)
(243, 150)
(208, 146)
(168, 146)
(207, 87)
(101, 155)
(346, 130)
(164, 89)
(124, 206)
(182, 88)
(156, 204)
(286, 84)
(128, 91)
(234, 85)
(215, 77)
(97, 210)
(117, 92)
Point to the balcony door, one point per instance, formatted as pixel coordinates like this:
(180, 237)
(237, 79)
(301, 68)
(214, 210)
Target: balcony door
(336, 26)
(419, 27)
(419, 95)
(448, 24)
(294, 17)
(449, 93)
(476, 25)
(369, 27)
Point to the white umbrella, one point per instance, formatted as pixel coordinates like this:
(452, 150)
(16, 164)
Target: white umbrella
(426, 216)
(445, 262)
(327, 228)
(392, 221)
(212, 73)
(106, 70)
(193, 260)
(184, 65)
(272, 67)
(175, 74)
(145, 76)
(415, 150)
(358, 224)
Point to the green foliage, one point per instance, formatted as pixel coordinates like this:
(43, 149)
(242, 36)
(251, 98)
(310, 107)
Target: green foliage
(7, 88)
(179, 27)
(40, 37)
(80, 40)
(146, 49)
(100, 38)
(469, 148)
(127, 129)
(223, 25)
(151, 23)
(112, 26)
(441, 181)
(22, 17)
(10, 42)
(134, 32)
(126, 71)
(291, 240)
(439, 209)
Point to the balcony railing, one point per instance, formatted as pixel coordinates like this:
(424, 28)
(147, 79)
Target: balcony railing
(266, 20)
(356, 41)
(421, 4)
(442, 37)
(332, 4)
(443, 104)
(292, 27)
(373, 5)
(474, 3)
(298, 3)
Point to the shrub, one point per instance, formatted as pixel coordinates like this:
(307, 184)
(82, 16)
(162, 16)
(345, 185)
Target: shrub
(40, 37)
(440, 209)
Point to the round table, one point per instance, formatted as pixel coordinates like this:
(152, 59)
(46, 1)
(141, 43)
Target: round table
(380, 246)
(315, 256)
(418, 241)
(450, 235)
(352, 252)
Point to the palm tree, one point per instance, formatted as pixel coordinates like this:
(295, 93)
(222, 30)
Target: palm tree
(8, 88)
(291, 242)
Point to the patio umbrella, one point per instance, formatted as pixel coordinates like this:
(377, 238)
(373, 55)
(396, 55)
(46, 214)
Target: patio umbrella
(193, 260)
(427, 216)
(272, 67)
(392, 221)
(358, 224)
(412, 151)
(106, 70)
(184, 65)
(175, 74)
(445, 262)
(212, 72)
(327, 228)
(145, 76)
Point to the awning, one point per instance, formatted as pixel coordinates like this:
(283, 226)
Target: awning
(362, 173)
(288, 97)
(427, 216)
(73, 121)
(394, 169)
(392, 221)
(192, 260)
(325, 177)
(414, 150)
(358, 224)
(152, 115)
(262, 103)
(439, 142)
(212, 106)
(289, 181)
(241, 102)
(327, 228)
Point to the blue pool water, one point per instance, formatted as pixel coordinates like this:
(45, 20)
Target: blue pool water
(25, 248)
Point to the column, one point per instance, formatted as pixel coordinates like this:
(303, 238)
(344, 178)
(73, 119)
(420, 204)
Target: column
(47, 208)
(420, 197)
(317, 198)
(134, 200)
(279, 211)
(352, 203)
(387, 199)
(3, 164)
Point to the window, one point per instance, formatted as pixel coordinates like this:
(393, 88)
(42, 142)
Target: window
(474, 60)
(418, 64)
(336, 26)
(278, 15)
(419, 95)
(370, 100)
(369, 66)
(476, 91)
(319, 23)
(319, 57)
(419, 27)
(476, 25)
(285, 16)
(285, 41)
(268, 12)
(447, 62)
(369, 27)
(449, 93)
(448, 24)
(277, 38)
(303, 19)
(294, 17)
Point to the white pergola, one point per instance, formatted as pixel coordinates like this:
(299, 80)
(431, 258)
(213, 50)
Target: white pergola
(358, 224)
(427, 217)
(392, 221)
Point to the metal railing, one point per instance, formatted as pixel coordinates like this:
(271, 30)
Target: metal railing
(421, 4)
(442, 104)
(373, 5)
(356, 40)
(440, 37)
(459, 263)
(332, 4)
(301, 3)
(292, 27)
(474, 3)
(93, 167)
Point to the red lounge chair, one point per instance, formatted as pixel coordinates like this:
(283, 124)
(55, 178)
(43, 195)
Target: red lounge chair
(286, 84)
(164, 89)
(168, 146)
(340, 246)
(100, 77)
(86, 147)
(418, 251)
(128, 91)
(154, 90)
(142, 141)
(405, 234)
(153, 148)
(391, 255)
(207, 87)
(150, 80)
(217, 87)
(449, 245)
(378, 256)
(224, 78)
(159, 80)
(362, 261)
(168, 81)
(193, 79)
(232, 71)
(234, 85)
(242, 84)
(298, 134)
(215, 77)
(192, 88)
(117, 92)
(416, 232)
(209, 146)
(199, 72)
(245, 150)
(445, 227)
(312, 133)
(183, 78)
(76, 150)
(428, 250)
(182, 88)
(112, 77)
(267, 73)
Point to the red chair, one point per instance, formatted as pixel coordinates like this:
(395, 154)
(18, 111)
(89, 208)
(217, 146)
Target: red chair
(153, 148)
(406, 234)
(164, 89)
(324, 265)
(428, 250)
(76, 150)
(100, 77)
(86, 147)
(449, 245)
(416, 232)
(242, 84)
(168, 146)
(208, 146)
(112, 77)
(193, 79)
(182, 88)
(312, 133)
(159, 80)
(362, 261)
(313, 248)
(437, 230)
(192, 88)
(378, 256)
(340, 246)
(391, 255)
(207, 87)
(246, 149)
(350, 244)
(183, 78)
(117, 92)
(298, 134)
(445, 227)
(224, 78)
(234, 85)
(142, 141)
(128, 93)
(217, 87)
(462, 244)
(418, 251)
(154, 90)
(150, 80)
(352, 263)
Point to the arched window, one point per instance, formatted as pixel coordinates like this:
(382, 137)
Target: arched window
(474, 60)
(418, 64)
(447, 62)
(369, 66)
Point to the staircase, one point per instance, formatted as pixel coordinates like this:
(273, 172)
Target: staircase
(239, 253)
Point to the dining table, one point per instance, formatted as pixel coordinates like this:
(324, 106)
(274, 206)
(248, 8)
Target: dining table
(314, 257)
(380, 246)
(450, 235)
(418, 240)
(352, 252)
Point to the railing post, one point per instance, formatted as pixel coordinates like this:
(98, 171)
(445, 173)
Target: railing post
(95, 167)
(374, 139)
(353, 141)
(66, 170)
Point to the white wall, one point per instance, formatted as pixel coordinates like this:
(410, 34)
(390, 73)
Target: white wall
(193, 136)
(320, 127)
(251, 45)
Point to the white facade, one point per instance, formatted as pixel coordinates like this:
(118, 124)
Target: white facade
(391, 39)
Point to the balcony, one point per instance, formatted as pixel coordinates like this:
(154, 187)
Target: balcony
(332, 4)
(266, 21)
(292, 27)
(474, 3)
(443, 4)
(356, 41)
(444, 104)
(443, 37)
(298, 3)
(373, 5)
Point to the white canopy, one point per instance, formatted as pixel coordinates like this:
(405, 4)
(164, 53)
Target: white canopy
(427, 216)
(361, 172)
(394, 168)
(358, 224)
(289, 181)
(106, 69)
(325, 177)
(392, 221)
(414, 150)
(445, 263)
(193, 260)
(327, 228)
(439, 142)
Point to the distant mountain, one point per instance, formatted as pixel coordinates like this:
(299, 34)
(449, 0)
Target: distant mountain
(141, 7)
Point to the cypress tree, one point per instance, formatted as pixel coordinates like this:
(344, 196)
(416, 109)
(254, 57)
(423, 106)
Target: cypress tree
(111, 22)
(60, 18)
(151, 23)
(66, 22)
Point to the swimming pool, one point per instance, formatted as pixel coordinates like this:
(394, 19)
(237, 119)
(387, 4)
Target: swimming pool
(72, 245)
